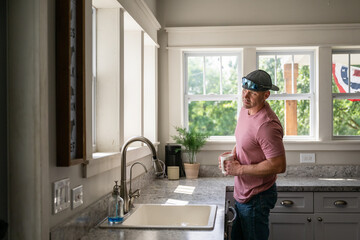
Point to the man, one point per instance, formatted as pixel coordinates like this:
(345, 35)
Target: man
(259, 155)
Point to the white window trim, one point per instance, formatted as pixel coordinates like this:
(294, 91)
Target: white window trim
(212, 97)
(93, 103)
(102, 162)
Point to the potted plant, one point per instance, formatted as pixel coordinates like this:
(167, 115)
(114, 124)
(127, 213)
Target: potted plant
(192, 141)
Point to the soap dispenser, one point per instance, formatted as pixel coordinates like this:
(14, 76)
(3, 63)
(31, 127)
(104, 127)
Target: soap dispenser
(116, 206)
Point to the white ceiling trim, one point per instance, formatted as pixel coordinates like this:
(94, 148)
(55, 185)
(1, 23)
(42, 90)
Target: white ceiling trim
(148, 13)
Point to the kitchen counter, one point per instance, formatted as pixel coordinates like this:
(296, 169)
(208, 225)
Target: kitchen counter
(197, 191)
(207, 191)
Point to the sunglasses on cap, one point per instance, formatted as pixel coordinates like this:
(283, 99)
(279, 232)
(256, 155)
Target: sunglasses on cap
(248, 84)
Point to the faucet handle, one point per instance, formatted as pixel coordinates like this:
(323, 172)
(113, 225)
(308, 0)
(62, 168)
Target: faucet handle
(134, 194)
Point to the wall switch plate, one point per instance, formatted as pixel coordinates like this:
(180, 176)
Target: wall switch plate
(307, 157)
(77, 196)
(61, 193)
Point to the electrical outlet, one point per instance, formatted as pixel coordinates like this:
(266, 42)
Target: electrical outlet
(307, 157)
(61, 193)
(77, 196)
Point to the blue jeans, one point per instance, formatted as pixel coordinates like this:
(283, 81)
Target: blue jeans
(252, 221)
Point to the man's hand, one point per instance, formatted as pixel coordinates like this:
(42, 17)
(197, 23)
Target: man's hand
(233, 168)
(267, 167)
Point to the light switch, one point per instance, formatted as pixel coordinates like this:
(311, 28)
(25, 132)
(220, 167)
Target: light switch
(307, 157)
(77, 196)
(61, 193)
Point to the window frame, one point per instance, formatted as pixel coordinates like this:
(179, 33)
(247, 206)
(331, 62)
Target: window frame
(342, 95)
(311, 96)
(210, 97)
(94, 83)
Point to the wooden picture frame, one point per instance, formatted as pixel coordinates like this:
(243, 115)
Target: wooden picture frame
(70, 83)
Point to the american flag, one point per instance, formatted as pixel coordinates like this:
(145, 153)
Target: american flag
(341, 78)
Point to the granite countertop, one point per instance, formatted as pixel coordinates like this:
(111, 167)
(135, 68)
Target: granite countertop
(321, 184)
(208, 191)
(196, 191)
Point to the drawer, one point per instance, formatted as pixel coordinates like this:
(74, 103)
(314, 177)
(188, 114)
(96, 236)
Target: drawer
(337, 202)
(295, 202)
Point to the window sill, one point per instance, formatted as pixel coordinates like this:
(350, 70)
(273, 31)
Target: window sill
(292, 145)
(105, 161)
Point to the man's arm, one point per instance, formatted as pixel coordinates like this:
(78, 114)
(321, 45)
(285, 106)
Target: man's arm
(270, 166)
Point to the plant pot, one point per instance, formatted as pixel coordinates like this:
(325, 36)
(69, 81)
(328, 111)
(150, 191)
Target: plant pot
(192, 170)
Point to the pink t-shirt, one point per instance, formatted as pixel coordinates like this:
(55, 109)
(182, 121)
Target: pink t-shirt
(258, 137)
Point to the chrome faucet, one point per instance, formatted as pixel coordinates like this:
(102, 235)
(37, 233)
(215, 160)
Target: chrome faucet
(158, 166)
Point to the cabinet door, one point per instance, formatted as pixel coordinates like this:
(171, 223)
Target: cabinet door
(285, 226)
(335, 226)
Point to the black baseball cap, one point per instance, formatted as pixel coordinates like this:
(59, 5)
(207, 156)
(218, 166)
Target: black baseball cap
(261, 79)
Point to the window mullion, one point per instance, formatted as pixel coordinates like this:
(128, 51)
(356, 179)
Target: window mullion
(275, 75)
(221, 79)
(212, 97)
(292, 74)
(296, 96)
(204, 74)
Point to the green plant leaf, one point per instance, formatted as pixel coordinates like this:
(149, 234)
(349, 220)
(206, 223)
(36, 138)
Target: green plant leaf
(191, 140)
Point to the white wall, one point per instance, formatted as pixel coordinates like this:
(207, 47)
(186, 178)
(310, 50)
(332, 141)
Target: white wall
(182, 18)
(185, 13)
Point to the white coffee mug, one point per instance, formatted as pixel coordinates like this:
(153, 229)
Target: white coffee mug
(225, 157)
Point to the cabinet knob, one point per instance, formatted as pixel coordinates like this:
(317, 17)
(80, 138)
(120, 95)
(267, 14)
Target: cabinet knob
(319, 219)
(340, 203)
(287, 203)
(308, 219)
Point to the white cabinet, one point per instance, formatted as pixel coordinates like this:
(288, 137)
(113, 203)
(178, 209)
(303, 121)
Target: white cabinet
(316, 215)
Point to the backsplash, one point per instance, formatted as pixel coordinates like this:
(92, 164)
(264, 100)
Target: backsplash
(329, 171)
(333, 171)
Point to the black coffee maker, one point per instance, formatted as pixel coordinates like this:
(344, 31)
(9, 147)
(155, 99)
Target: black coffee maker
(173, 158)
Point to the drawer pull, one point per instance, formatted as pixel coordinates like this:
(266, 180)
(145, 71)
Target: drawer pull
(287, 203)
(320, 219)
(232, 209)
(308, 219)
(340, 203)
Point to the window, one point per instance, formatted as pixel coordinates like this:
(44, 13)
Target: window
(293, 73)
(212, 97)
(123, 87)
(346, 93)
(124, 63)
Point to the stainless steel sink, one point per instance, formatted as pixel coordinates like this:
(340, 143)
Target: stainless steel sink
(162, 216)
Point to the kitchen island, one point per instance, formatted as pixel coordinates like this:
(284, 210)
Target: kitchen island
(207, 191)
